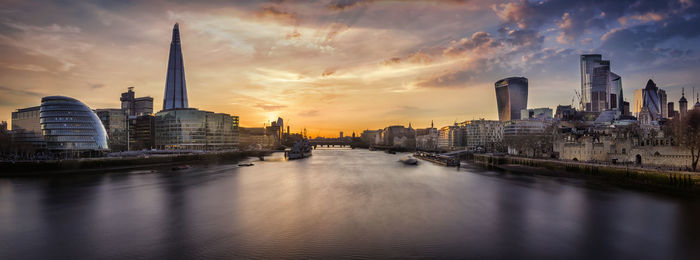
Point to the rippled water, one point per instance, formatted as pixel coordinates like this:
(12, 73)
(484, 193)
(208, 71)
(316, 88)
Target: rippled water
(338, 203)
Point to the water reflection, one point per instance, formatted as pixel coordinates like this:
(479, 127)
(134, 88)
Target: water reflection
(353, 203)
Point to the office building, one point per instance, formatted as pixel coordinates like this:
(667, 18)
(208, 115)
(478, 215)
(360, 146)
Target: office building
(142, 132)
(114, 121)
(175, 86)
(483, 134)
(511, 97)
(192, 129)
(601, 89)
(663, 103)
(650, 95)
(26, 127)
(536, 113)
(134, 106)
(179, 127)
(671, 110)
(69, 126)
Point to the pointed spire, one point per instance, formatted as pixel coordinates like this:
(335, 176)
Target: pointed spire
(683, 100)
(175, 85)
(431, 124)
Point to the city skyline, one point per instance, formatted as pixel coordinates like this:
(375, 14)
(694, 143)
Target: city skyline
(318, 66)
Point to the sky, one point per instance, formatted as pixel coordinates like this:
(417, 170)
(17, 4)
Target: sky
(332, 66)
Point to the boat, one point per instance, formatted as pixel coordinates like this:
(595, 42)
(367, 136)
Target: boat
(409, 160)
(300, 150)
(245, 164)
(181, 167)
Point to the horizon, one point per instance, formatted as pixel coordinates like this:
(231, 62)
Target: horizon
(318, 67)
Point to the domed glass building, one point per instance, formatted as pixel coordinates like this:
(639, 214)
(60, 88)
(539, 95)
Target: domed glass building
(68, 125)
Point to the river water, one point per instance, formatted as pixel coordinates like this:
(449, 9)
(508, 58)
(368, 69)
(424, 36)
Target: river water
(340, 203)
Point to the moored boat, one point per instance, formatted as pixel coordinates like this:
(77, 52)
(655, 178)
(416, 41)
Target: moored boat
(409, 160)
(299, 150)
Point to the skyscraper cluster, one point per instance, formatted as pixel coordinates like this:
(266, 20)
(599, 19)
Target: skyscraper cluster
(601, 89)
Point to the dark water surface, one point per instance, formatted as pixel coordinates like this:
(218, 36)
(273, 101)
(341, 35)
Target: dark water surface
(338, 203)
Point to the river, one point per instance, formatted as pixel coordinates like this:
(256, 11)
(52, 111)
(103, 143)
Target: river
(340, 203)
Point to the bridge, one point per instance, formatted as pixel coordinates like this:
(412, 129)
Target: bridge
(330, 143)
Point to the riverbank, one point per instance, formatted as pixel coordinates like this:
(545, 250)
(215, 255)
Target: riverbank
(86, 165)
(681, 182)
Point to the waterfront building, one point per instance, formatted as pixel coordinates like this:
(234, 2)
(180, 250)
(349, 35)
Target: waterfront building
(682, 105)
(399, 136)
(511, 97)
(427, 138)
(134, 106)
(179, 127)
(451, 137)
(483, 134)
(536, 113)
(369, 137)
(142, 132)
(175, 85)
(193, 129)
(114, 121)
(523, 135)
(601, 89)
(69, 126)
(256, 138)
(26, 127)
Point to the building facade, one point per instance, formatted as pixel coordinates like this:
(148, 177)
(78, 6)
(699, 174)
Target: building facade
(142, 132)
(192, 129)
(134, 106)
(68, 126)
(482, 134)
(114, 121)
(26, 127)
(511, 97)
(601, 89)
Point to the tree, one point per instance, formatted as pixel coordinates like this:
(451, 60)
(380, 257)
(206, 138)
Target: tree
(686, 133)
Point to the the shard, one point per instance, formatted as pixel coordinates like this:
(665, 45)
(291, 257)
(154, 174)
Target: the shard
(175, 87)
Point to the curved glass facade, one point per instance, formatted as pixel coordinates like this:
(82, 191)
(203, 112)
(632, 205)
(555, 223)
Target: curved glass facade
(69, 125)
(511, 97)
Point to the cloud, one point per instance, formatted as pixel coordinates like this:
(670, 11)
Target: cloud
(270, 107)
(271, 12)
(20, 91)
(525, 39)
(480, 42)
(327, 72)
(309, 113)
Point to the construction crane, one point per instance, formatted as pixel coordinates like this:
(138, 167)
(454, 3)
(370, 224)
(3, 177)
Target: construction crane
(580, 102)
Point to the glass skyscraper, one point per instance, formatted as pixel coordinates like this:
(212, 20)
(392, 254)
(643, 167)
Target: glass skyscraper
(511, 97)
(175, 86)
(182, 128)
(601, 89)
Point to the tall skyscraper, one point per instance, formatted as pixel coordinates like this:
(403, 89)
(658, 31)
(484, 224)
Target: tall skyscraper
(601, 89)
(651, 99)
(663, 103)
(175, 87)
(511, 97)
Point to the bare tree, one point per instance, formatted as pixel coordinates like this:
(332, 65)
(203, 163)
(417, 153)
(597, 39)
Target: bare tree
(686, 133)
